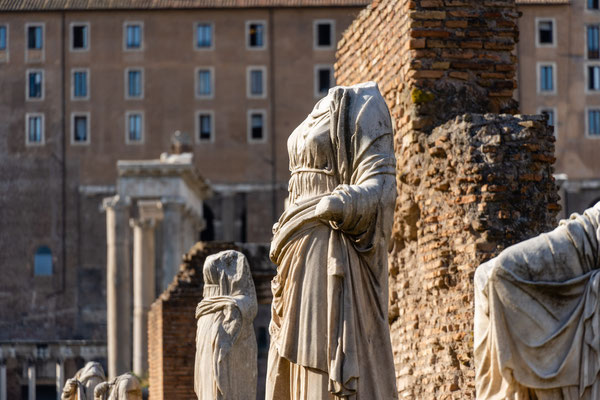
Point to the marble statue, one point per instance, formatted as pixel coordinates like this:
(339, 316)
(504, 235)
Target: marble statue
(123, 387)
(329, 325)
(81, 386)
(226, 350)
(537, 316)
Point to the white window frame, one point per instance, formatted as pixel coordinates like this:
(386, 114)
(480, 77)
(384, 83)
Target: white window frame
(42, 50)
(555, 111)
(126, 79)
(249, 125)
(247, 34)
(316, 22)
(71, 36)
(142, 127)
(87, 84)
(538, 75)
(27, 72)
(590, 10)
(318, 67)
(586, 75)
(197, 115)
(587, 121)
(142, 41)
(212, 83)
(249, 70)
(537, 32)
(43, 135)
(88, 128)
(6, 51)
(195, 36)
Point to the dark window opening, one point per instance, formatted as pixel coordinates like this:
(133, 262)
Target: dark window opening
(324, 80)
(34, 37)
(546, 32)
(256, 34)
(79, 37)
(256, 126)
(80, 133)
(205, 125)
(324, 34)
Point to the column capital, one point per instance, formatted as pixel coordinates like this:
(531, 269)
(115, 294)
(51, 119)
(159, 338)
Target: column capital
(144, 223)
(115, 202)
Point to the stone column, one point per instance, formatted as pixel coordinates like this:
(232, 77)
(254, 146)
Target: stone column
(2, 381)
(118, 286)
(173, 248)
(60, 378)
(144, 279)
(31, 381)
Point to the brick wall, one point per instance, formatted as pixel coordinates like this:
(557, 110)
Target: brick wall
(172, 324)
(469, 183)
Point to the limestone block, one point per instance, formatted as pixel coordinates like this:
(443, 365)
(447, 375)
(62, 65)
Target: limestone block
(226, 349)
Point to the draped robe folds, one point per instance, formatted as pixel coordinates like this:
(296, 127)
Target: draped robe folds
(226, 349)
(537, 323)
(330, 306)
(85, 381)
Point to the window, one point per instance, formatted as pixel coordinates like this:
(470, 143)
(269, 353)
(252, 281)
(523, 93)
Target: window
(35, 85)
(204, 126)
(593, 119)
(80, 128)
(134, 84)
(133, 36)
(545, 32)
(548, 113)
(323, 34)
(204, 35)
(593, 4)
(323, 79)
(593, 75)
(204, 83)
(593, 42)
(135, 126)
(34, 126)
(42, 262)
(546, 78)
(80, 84)
(255, 34)
(256, 82)
(256, 126)
(3, 37)
(35, 37)
(79, 36)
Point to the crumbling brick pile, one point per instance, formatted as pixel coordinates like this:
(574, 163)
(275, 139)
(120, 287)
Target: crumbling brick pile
(172, 323)
(470, 183)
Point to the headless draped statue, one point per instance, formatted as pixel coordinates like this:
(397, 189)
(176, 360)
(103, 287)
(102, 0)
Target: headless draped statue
(537, 316)
(123, 387)
(226, 349)
(81, 386)
(329, 327)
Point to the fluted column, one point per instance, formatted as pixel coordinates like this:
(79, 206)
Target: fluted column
(173, 233)
(31, 382)
(60, 378)
(118, 286)
(144, 279)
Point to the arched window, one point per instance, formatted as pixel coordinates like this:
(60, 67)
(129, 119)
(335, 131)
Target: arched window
(42, 261)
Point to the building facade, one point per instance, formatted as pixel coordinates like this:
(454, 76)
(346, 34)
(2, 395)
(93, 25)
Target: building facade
(85, 84)
(559, 75)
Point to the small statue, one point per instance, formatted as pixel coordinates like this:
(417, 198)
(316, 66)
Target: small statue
(81, 386)
(226, 350)
(537, 316)
(123, 387)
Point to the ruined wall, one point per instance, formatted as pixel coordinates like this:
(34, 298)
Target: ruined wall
(172, 323)
(469, 183)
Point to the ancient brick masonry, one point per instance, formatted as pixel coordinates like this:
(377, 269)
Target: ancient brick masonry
(469, 183)
(172, 323)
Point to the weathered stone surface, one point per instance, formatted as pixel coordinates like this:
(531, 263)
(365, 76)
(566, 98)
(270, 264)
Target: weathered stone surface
(82, 385)
(329, 331)
(123, 387)
(536, 316)
(225, 342)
